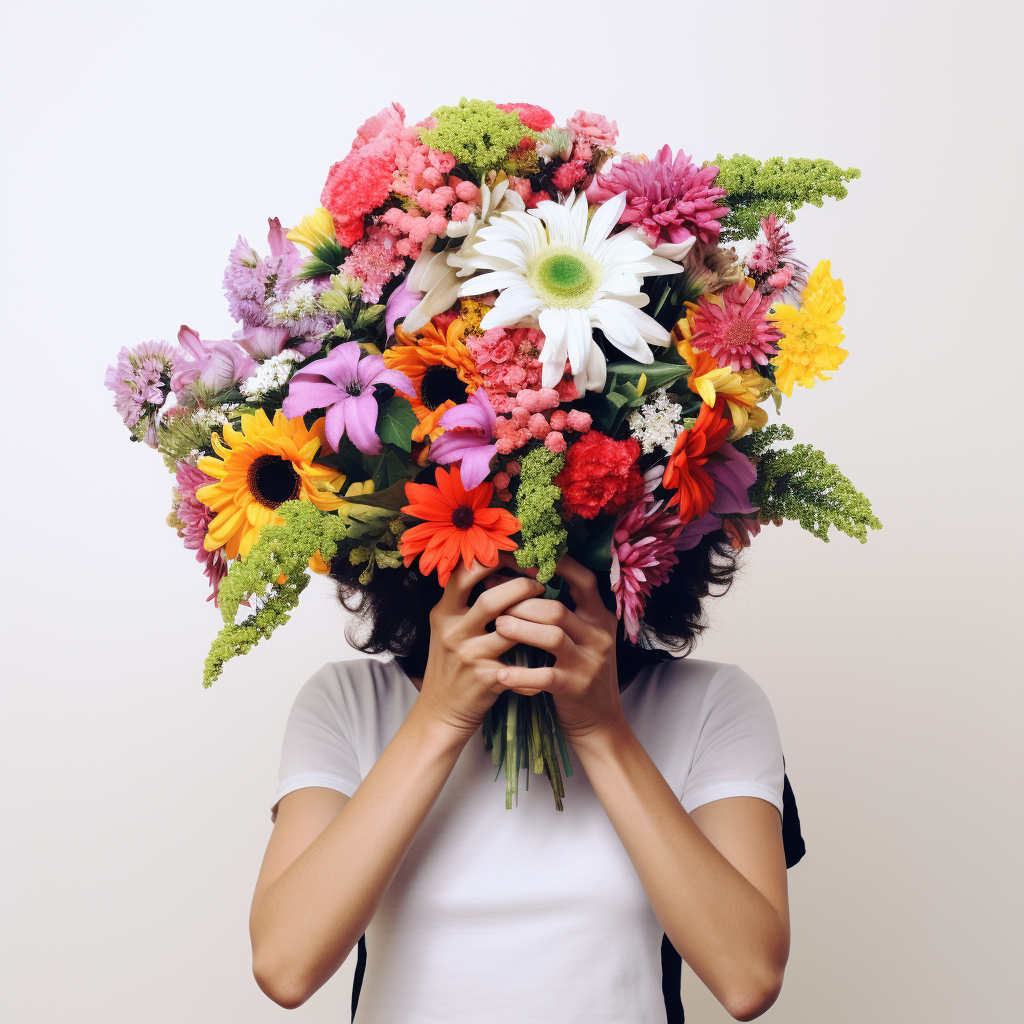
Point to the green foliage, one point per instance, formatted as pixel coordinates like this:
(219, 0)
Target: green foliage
(284, 549)
(327, 255)
(478, 135)
(396, 421)
(802, 485)
(776, 186)
(544, 533)
(659, 375)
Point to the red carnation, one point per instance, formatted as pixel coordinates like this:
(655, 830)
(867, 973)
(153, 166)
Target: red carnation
(354, 187)
(599, 475)
(530, 114)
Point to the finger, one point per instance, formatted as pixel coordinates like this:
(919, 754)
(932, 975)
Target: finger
(488, 647)
(529, 681)
(553, 613)
(583, 589)
(462, 581)
(492, 602)
(548, 638)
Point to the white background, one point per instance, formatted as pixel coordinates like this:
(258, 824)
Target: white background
(140, 139)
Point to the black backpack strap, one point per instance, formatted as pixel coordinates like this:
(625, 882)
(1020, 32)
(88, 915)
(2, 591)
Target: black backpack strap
(672, 962)
(357, 981)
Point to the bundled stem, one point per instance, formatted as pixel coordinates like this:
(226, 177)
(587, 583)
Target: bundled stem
(522, 732)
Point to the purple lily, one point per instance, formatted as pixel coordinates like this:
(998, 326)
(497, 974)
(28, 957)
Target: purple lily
(401, 302)
(733, 474)
(215, 364)
(342, 383)
(468, 430)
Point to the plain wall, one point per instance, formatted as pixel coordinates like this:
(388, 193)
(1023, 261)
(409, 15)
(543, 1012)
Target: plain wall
(141, 139)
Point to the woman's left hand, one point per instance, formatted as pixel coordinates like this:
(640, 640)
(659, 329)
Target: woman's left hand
(584, 679)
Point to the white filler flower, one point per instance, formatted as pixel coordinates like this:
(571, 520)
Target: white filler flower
(553, 270)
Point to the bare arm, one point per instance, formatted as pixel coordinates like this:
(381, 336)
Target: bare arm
(331, 859)
(716, 879)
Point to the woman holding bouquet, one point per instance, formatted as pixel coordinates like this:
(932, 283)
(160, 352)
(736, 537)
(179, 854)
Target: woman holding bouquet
(388, 823)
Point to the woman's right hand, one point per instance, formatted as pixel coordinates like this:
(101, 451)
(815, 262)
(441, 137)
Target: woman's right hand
(461, 679)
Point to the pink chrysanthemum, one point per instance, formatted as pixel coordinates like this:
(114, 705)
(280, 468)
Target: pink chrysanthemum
(670, 200)
(251, 281)
(141, 379)
(643, 554)
(374, 260)
(778, 272)
(733, 329)
(195, 519)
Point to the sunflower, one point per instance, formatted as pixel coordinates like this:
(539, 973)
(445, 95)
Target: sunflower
(455, 522)
(441, 370)
(260, 467)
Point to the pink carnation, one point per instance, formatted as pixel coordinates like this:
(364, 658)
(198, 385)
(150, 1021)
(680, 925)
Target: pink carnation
(531, 115)
(594, 128)
(355, 186)
(374, 260)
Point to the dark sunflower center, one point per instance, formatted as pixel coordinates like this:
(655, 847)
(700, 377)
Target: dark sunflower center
(462, 518)
(273, 480)
(441, 384)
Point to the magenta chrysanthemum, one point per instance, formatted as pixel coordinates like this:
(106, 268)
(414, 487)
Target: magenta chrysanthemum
(643, 554)
(141, 379)
(195, 518)
(250, 281)
(670, 200)
(733, 328)
(778, 272)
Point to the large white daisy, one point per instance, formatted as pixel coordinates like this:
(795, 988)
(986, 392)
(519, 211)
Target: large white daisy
(554, 271)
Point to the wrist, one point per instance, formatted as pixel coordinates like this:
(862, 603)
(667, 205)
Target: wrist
(434, 733)
(610, 739)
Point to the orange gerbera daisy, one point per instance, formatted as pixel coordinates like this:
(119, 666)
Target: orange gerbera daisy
(441, 369)
(261, 466)
(686, 473)
(455, 522)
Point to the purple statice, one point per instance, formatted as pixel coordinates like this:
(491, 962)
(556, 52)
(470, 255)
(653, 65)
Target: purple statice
(251, 282)
(468, 433)
(141, 381)
(195, 519)
(670, 200)
(216, 365)
(343, 384)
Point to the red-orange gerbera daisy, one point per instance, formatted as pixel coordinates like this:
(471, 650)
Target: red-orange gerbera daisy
(455, 522)
(686, 473)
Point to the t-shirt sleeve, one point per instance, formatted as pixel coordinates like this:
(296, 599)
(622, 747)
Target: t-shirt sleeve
(738, 751)
(317, 749)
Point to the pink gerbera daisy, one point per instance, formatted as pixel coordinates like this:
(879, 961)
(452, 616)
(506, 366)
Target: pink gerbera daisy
(732, 327)
(194, 518)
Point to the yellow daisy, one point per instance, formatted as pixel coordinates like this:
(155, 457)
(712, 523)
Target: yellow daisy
(260, 467)
(809, 348)
(441, 369)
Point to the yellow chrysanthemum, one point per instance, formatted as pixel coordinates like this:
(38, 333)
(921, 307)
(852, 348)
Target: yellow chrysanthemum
(260, 467)
(441, 369)
(314, 231)
(809, 348)
(743, 390)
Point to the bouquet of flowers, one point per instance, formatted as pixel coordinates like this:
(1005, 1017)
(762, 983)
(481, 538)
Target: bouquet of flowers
(494, 335)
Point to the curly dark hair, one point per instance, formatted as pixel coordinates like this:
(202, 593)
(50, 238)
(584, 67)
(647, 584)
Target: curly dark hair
(391, 612)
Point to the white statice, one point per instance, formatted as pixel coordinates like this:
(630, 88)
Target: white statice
(656, 423)
(556, 270)
(211, 419)
(271, 375)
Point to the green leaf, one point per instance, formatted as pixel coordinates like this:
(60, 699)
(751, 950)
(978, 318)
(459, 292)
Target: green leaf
(386, 469)
(590, 543)
(659, 375)
(396, 421)
(392, 497)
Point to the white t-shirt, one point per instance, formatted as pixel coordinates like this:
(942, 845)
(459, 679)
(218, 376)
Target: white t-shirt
(528, 914)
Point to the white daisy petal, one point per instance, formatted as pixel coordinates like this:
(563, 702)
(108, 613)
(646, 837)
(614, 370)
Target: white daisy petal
(579, 212)
(552, 356)
(512, 309)
(607, 216)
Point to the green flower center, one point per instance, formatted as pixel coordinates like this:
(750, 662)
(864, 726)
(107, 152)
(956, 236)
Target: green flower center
(564, 277)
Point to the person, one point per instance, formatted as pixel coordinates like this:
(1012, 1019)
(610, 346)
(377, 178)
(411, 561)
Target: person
(389, 821)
